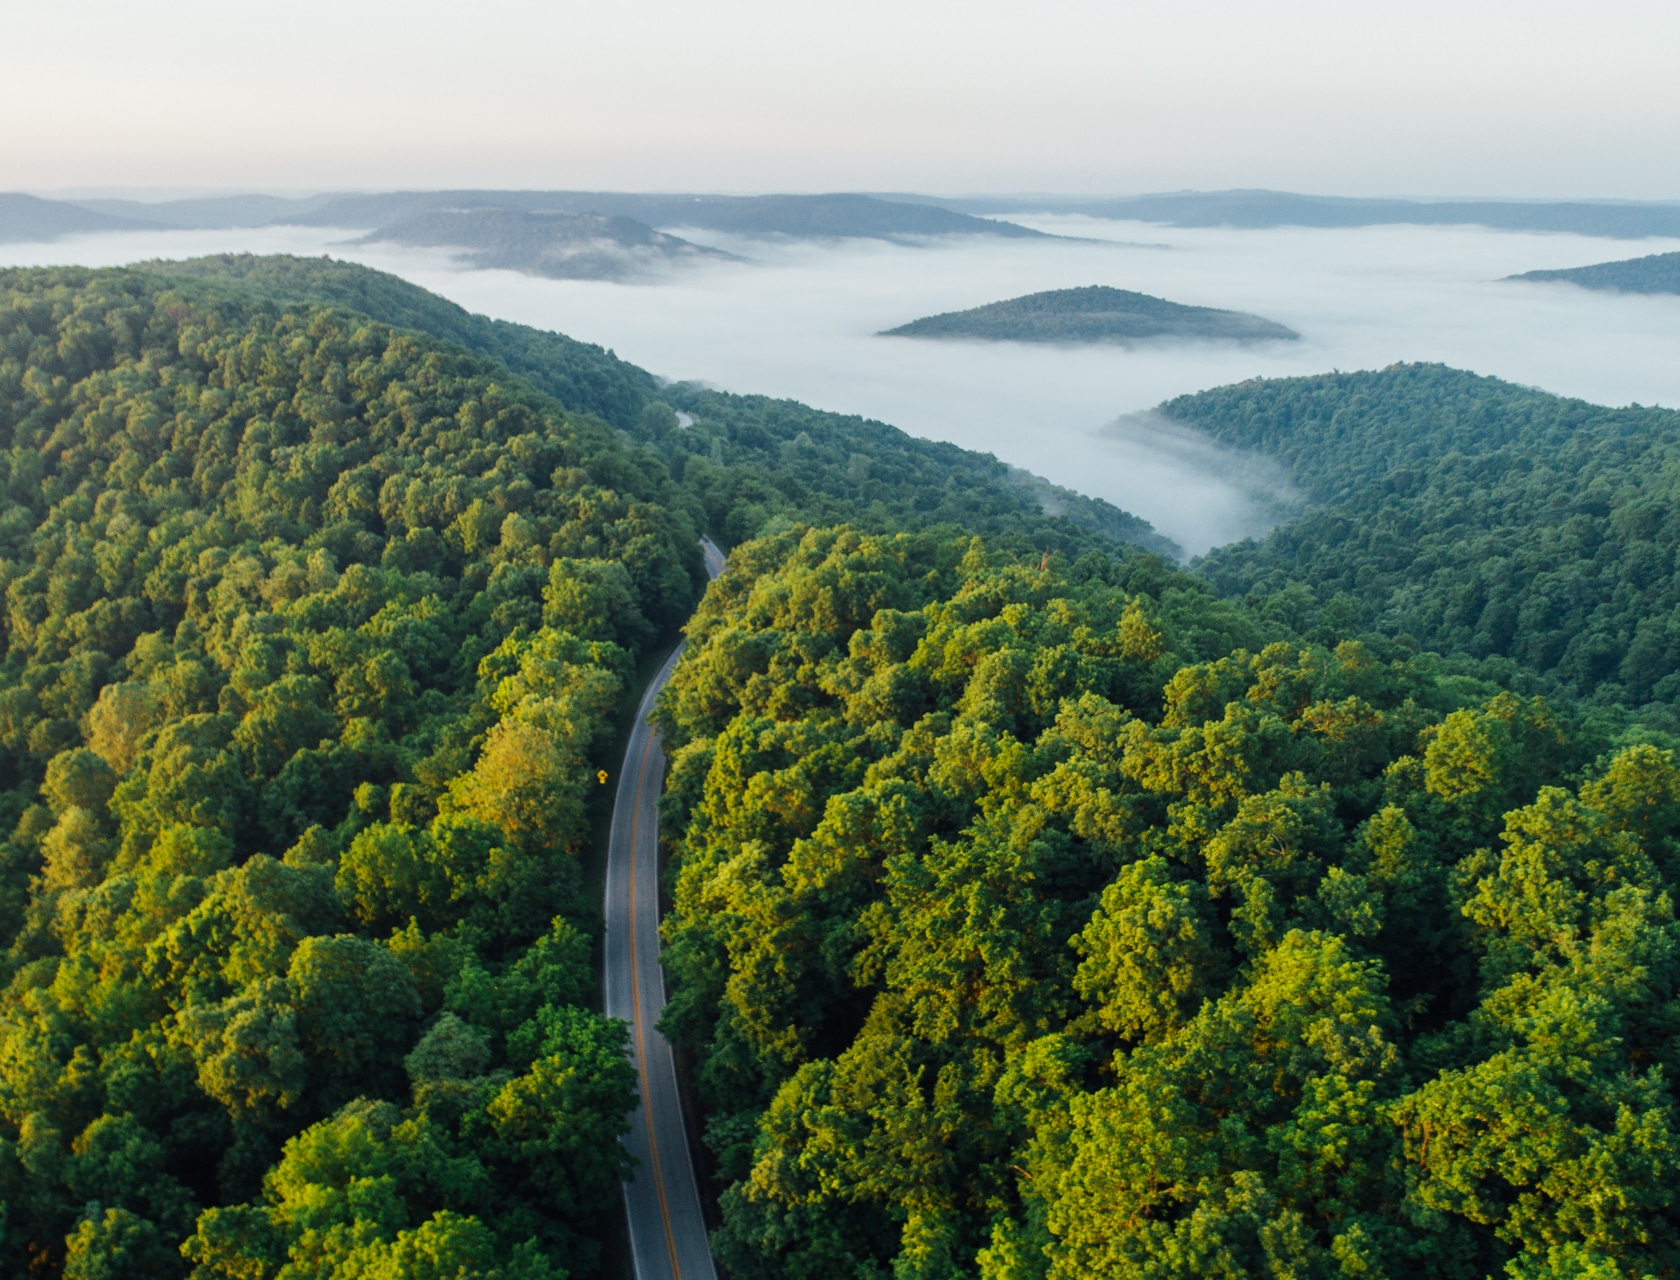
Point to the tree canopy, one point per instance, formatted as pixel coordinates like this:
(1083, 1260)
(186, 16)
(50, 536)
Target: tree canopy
(1476, 517)
(315, 635)
(1040, 910)
(1062, 920)
(744, 459)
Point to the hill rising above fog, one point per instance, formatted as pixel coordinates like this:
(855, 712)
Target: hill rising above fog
(1093, 314)
(834, 216)
(1654, 273)
(1477, 517)
(746, 459)
(561, 246)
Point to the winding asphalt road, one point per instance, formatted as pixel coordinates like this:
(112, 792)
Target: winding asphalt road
(662, 1201)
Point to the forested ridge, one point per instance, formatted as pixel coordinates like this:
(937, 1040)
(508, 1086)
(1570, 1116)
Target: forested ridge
(1475, 516)
(748, 460)
(744, 459)
(314, 630)
(562, 246)
(1041, 909)
(1095, 313)
(1057, 919)
(1654, 273)
(581, 376)
(322, 600)
(1075, 917)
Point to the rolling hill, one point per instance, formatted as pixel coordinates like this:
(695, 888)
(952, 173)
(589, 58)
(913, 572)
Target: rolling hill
(1654, 273)
(25, 217)
(1093, 314)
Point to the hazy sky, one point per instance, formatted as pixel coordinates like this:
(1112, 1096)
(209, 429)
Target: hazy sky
(1523, 99)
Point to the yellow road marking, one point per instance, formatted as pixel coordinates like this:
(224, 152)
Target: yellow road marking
(636, 1005)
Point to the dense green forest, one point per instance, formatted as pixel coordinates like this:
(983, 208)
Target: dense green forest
(1474, 516)
(319, 622)
(314, 632)
(1654, 273)
(1095, 313)
(582, 377)
(1065, 920)
(1041, 909)
(750, 459)
(745, 459)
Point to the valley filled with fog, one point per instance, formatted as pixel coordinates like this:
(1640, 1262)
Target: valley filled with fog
(798, 319)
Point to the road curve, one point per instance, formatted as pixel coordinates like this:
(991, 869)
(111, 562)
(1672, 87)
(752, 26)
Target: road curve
(661, 1201)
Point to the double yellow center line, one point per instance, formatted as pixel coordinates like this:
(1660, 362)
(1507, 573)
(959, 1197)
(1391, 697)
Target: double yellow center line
(636, 1005)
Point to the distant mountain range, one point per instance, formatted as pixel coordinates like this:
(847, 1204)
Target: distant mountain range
(1654, 273)
(209, 212)
(600, 235)
(31, 218)
(843, 215)
(1093, 314)
(1624, 220)
(839, 216)
(497, 227)
(564, 246)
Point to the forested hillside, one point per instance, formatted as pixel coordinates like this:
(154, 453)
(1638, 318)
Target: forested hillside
(1064, 920)
(1041, 910)
(318, 625)
(582, 377)
(1095, 313)
(746, 458)
(1654, 273)
(1475, 516)
(314, 635)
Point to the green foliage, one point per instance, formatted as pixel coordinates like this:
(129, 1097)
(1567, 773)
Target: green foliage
(1055, 921)
(1039, 911)
(303, 655)
(1148, 957)
(1474, 516)
(581, 376)
(748, 460)
(372, 1193)
(115, 1245)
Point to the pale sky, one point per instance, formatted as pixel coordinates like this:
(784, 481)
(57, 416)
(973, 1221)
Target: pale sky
(1531, 99)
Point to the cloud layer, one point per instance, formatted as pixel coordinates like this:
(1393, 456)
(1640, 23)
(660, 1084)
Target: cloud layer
(799, 320)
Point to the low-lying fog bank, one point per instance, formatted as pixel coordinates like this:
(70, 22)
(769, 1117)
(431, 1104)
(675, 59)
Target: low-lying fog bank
(798, 320)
